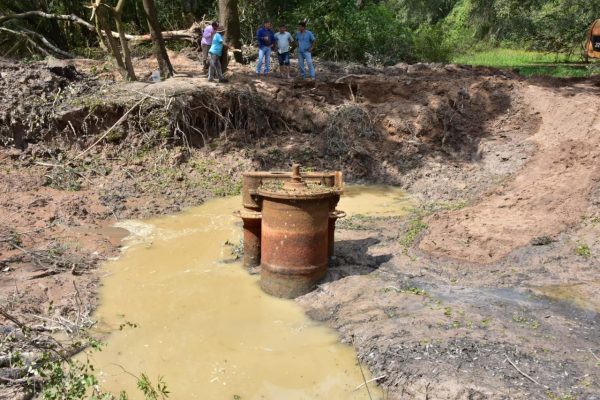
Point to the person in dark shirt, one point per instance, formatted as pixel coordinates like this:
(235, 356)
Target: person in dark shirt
(266, 39)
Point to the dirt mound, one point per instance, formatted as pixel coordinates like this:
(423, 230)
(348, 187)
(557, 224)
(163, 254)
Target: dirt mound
(32, 95)
(550, 194)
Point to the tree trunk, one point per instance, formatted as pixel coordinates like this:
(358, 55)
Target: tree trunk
(160, 51)
(104, 23)
(118, 16)
(230, 18)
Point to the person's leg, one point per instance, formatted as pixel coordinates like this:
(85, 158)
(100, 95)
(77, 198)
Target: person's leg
(287, 63)
(301, 64)
(205, 57)
(261, 54)
(267, 60)
(309, 63)
(212, 67)
(218, 69)
(280, 61)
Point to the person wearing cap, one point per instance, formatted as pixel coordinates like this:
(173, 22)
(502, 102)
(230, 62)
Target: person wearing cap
(306, 41)
(283, 41)
(215, 52)
(266, 39)
(206, 42)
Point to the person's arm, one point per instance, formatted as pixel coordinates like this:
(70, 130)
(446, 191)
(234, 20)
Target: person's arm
(208, 33)
(259, 36)
(313, 41)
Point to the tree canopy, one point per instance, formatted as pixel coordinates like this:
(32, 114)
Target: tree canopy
(374, 31)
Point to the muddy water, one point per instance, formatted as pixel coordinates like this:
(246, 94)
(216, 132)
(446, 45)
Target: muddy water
(204, 324)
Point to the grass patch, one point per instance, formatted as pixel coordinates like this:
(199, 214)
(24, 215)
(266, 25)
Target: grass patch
(414, 227)
(583, 250)
(530, 63)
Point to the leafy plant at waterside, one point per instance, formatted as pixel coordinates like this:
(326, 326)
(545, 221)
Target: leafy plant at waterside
(75, 380)
(47, 369)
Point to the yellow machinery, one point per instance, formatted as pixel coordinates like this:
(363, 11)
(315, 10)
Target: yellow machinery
(592, 45)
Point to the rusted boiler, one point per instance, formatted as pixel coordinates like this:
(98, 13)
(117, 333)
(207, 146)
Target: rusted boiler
(289, 223)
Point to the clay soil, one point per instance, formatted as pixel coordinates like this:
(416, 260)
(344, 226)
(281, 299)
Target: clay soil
(489, 289)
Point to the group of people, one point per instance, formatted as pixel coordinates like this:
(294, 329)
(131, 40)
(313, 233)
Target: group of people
(282, 43)
(213, 45)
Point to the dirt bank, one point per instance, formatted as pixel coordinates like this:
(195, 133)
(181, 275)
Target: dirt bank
(500, 297)
(487, 161)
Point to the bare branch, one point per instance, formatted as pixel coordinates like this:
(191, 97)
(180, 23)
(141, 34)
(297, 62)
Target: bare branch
(24, 35)
(186, 34)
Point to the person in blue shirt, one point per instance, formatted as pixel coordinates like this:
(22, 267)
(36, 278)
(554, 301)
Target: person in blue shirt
(215, 52)
(266, 39)
(306, 41)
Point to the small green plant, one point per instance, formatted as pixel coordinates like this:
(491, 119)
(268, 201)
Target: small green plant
(583, 250)
(528, 322)
(448, 311)
(160, 392)
(415, 290)
(414, 227)
(565, 396)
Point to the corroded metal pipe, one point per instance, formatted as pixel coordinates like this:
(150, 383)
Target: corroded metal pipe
(294, 251)
(252, 230)
(295, 234)
(251, 181)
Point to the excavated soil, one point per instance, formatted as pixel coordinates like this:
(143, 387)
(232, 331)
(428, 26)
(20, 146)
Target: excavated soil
(488, 290)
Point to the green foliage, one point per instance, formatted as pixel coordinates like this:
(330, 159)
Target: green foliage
(344, 32)
(69, 379)
(583, 250)
(414, 228)
(381, 32)
(160, 392)
(550, 25)
(529, 63)
(429, 44)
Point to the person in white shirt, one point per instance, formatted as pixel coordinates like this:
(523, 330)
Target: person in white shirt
(283, 41)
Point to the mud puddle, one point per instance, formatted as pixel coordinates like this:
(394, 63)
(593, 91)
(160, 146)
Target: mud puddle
(176, 305)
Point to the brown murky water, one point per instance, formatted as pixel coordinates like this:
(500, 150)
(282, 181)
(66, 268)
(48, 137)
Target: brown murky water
(581, 295)
(205, 325)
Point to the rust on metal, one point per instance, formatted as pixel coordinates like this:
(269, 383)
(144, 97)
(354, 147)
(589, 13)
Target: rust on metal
(251, 202)
(251, 221)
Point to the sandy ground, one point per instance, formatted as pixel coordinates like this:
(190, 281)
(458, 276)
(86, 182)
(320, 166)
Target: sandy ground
(550, 195)
(488, 290)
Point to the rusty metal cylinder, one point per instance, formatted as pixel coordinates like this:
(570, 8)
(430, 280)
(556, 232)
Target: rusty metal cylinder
(252, 231)
(289, 222)
(294, 251)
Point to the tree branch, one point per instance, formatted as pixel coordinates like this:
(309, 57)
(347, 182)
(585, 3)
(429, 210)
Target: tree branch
(28, 38)
(187, 34)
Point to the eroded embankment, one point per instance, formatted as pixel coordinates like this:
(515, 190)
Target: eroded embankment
(504, 301)
(80, 153)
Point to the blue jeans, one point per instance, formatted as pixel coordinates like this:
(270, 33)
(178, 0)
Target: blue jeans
(263, 52)
(305, 55)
